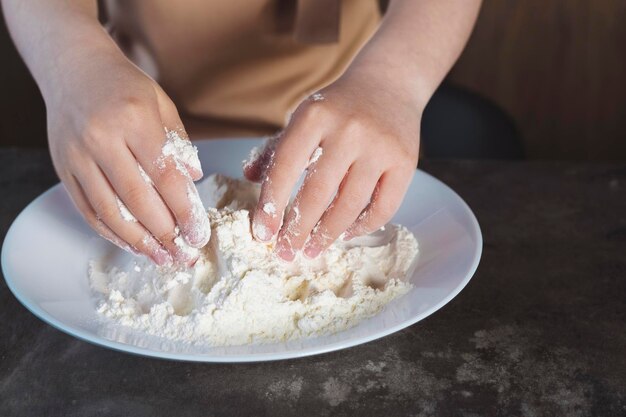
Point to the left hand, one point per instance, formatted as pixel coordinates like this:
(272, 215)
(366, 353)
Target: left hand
(368, 129)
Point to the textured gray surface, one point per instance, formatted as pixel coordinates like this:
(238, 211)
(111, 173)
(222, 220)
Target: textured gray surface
(539, 331)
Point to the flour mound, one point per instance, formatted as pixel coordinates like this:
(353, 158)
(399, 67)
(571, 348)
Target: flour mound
(239, 292)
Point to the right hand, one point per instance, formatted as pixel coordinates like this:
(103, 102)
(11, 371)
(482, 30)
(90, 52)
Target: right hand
(106, 121)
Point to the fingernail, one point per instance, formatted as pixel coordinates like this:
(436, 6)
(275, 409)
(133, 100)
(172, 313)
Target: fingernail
(285, 251)
(261, 232)
(155, 251)
(186, 259)
(199, 234)
(312, 250)
(189, 262)
(162, 257)
(185, 253)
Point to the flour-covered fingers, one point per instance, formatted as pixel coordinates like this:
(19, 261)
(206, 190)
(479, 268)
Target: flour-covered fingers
(319, 186)
(111, 211)
(166, 165)
(136, 191)
(352, 197)
(291, 156)
(187, 155)
(80, 201)
(386, 200)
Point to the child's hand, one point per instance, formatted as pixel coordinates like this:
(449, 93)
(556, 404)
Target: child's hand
(368, 131)
(106, 122)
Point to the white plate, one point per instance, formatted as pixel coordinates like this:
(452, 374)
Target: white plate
(45, 255)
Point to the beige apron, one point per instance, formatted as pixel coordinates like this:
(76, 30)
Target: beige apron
(239, 67)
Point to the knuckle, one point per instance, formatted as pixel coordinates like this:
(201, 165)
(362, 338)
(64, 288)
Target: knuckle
(406, 151)
(129, 107)
(354, 125)
(93, 135)
(316, 192)
(93, 124)
(351, 201)
(353, 132)
(407, 161)
(135, 196)
(104, 210)
(282, 163)
(407, 156)
(401, 167)
(309, 111)
(132, 104)
(73, 152)
(168, 177)
(135, 114)
(352, 204)
(169, 106)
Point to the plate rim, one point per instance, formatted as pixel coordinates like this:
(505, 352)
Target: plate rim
(240, 358)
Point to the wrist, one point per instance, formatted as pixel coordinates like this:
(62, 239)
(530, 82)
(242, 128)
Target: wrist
(65, 57)
(400, 81)
(78, 69)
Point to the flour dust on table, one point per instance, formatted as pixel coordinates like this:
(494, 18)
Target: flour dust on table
(240, 292)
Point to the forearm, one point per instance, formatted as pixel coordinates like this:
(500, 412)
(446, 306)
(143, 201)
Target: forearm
(52, 36)
(419, 41)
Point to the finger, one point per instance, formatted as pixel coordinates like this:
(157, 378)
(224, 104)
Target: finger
(169, 117)
(142, 200)
(313, 198)
(161, 157)
(293, 151)
(259, 159)
(110, 211)
(80, 201)
(386, 200)
(353, 195)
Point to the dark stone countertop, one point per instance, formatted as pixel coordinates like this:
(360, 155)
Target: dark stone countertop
(539, 331)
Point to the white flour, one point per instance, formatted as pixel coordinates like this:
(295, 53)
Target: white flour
(317, 97)
(184, 154)
(124, 211)
(189, 251)
(144, 175)
(181, 150)
(269, 208)
(255, 153)
(316, 155)
(239, 292)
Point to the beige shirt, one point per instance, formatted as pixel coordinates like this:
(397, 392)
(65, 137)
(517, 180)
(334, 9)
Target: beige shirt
(239, 67)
